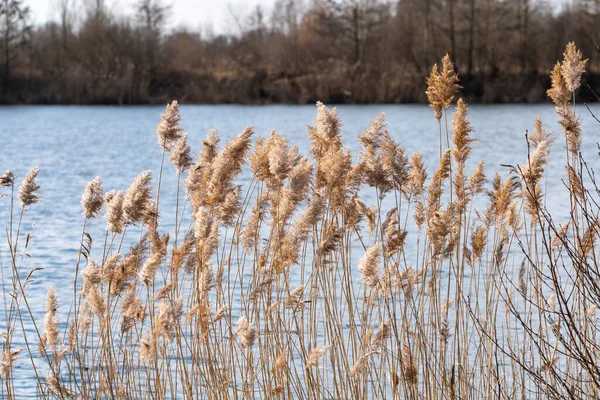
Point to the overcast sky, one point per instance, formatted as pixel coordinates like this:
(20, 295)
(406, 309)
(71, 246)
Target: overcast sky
(214, 14)
(191, 13)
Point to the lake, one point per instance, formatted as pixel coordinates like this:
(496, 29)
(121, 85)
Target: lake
(73, 144)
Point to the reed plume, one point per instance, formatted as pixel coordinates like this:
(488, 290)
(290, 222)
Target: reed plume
(8, 359)
(114, 217)
(383, 333)
(442, 86)
(28, 191)
(246, 332)
(227, 165)
(572, 129)
(315, 355)
(7, 179)
(573, 66)
(410, 371)
(93, 198)
(281, 361)
(138, 200)
(333, 163)
(477, 180)
(56, 387)
(200, 173)
(558, 92)
(51, 333)
(181, 157)
(168, 130)
(539, 133)
(369, 265)
(461, 137)
(228, 210)
(361, 364)
(436, 185)
(326, 129)
(416, 177)
(433, 95)
(147, 352)
(96, 302)
(462, 149)
(149, 269)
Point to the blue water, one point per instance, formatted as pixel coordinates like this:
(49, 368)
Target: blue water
(72, 145)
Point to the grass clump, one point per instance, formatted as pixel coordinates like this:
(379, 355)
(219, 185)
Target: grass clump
(293, 286)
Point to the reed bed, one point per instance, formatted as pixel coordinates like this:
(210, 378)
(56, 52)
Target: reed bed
(291, 286)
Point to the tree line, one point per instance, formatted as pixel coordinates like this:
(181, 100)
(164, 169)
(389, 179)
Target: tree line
(337, 51)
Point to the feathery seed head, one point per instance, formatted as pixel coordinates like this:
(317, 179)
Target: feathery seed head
(325, 135)
(558, 91)
(571, 128)
(560, 236)
(433, 82)
(96, 301)
(114, 217)
(280, 163)
(442, 87)
(281, 361)
(181, 157)
(369, 265)
(539, 134)
(327, 124)
(9, 356)
(417, 176)
(146, 349)
(462, 128)
(259, 162)
(227, 166)
(448, 81)
(315, 355)
(168, 130)
(408, 363)
(572, 67)
(51, 332)
(383, 333)
(246, 332)
(92, 275)
(361, 364)
(138, 200)
(28, 190)
(220, 313)
(228, 210)
(210, 147)
(477, 180)
(200, 173)
(7, 179)
(150, 267)
(93, 198)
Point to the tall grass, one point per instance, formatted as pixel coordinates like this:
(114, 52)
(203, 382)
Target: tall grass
(291, 286)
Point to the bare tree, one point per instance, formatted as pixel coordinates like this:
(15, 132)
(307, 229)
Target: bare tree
(65, 11)
(15, 30)
(452, 31)
(471, 50)
(350, 21)
(524, 33)
(152, 16)
(95, 9)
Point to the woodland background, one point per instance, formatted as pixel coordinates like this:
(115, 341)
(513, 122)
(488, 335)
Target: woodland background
(336, 51)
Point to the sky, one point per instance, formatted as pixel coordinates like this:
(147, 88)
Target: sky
(214, 15)
(193, 14)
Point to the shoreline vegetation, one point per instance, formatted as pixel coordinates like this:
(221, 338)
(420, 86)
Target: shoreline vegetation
(293, 287)
(299, 52)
